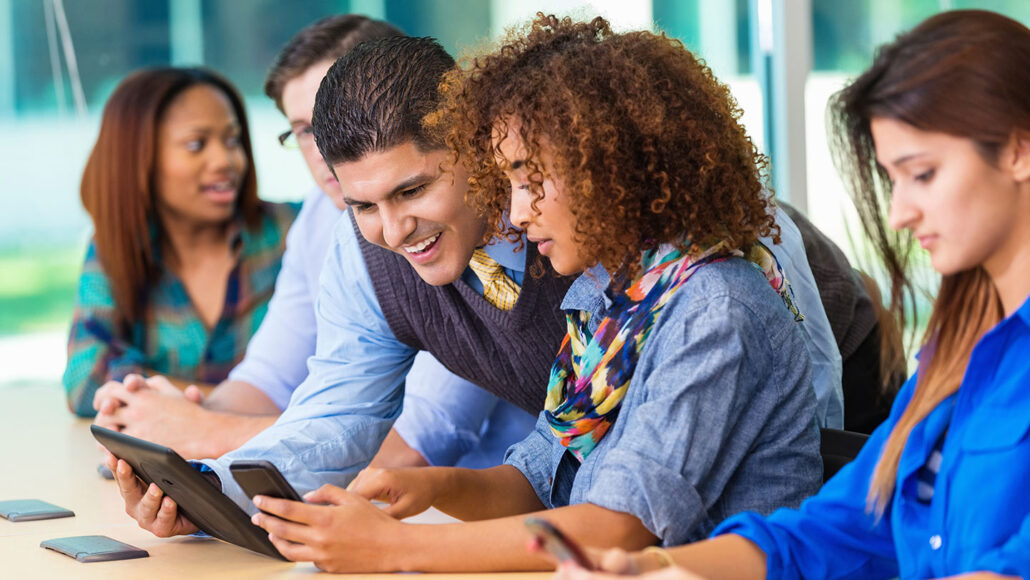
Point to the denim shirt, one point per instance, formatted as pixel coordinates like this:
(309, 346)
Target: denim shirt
(719, 416)
(979, 517)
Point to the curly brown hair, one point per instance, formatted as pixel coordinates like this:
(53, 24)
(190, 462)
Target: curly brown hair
(647, 143)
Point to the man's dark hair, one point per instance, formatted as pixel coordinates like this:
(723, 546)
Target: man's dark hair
(375, 96)
(328, 39)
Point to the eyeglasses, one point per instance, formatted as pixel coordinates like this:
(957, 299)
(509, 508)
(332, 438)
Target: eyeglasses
(297, 137)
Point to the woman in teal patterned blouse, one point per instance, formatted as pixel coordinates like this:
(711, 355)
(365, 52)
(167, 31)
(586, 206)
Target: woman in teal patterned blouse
(184, 255)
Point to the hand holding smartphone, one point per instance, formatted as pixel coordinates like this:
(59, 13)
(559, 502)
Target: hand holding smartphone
(557, 543)
(260, 477)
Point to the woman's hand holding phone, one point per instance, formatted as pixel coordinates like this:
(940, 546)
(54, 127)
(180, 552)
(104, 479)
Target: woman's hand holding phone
(336, 529)
(562, 549)
(261, 477)
(577, 563)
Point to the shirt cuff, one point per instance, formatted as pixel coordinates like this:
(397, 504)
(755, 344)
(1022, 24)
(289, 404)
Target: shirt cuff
(211, 478)
(229, 487)
(208, 473)
(668, 506)
(534, 457)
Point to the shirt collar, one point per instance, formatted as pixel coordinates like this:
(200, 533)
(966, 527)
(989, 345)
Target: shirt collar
(587, 293)
(507, 253)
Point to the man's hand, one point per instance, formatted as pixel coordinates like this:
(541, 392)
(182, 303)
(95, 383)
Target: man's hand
(409, 491)
(111, 396)
(349, 534)
(155, 410)
(194, 394)
(110, 399)
(148, 506)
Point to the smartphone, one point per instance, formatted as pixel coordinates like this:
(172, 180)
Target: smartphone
(260, 477)
(557, 543)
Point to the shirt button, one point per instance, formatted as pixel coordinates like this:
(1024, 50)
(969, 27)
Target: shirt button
(935, 542)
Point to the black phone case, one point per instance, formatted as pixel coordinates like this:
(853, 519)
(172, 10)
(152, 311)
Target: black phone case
(94, 548)
(260, 477)
(24, 510)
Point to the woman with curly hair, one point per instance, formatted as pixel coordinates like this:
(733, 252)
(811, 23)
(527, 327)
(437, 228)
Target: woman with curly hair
(682, 393)
(938, 129)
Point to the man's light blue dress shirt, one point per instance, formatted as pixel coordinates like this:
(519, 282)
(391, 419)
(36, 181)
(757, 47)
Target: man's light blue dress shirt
(826, 362)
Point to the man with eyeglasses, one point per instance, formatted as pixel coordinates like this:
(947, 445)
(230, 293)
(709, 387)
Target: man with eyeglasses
(446, 420)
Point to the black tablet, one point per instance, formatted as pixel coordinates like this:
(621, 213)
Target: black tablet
(202, 503)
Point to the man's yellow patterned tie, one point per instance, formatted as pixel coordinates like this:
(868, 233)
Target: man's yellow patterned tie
(498, 288)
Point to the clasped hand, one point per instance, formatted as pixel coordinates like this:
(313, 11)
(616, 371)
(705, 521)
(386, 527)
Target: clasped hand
(152, 409)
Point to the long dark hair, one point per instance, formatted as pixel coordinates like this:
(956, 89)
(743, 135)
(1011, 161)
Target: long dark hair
(117, 184)
(962, 73)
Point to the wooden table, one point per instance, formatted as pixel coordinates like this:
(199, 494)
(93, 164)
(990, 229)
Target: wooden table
(48, 454)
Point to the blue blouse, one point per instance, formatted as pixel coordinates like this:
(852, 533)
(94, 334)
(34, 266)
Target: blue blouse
(979, 517)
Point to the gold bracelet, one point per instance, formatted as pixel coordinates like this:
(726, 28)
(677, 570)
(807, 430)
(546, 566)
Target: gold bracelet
(664, 558)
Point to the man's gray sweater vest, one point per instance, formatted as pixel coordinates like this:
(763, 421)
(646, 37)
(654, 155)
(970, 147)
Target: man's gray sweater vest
(507, 353)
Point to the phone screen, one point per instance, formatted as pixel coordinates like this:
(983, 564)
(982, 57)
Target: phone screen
(557, 544)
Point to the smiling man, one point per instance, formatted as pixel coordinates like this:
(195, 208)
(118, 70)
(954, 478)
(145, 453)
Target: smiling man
(405, 202)
(447, 420)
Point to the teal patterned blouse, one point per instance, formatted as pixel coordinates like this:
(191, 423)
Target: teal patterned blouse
(170, 338)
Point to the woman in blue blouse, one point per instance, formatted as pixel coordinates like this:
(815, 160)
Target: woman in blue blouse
(184, 255)
(939, 127)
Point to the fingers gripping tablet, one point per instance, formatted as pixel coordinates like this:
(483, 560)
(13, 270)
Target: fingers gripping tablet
(200, 502)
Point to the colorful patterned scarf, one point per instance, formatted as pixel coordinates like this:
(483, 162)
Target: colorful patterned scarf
(593, 370)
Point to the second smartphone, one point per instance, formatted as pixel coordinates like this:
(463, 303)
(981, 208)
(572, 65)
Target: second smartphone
(260, 477)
